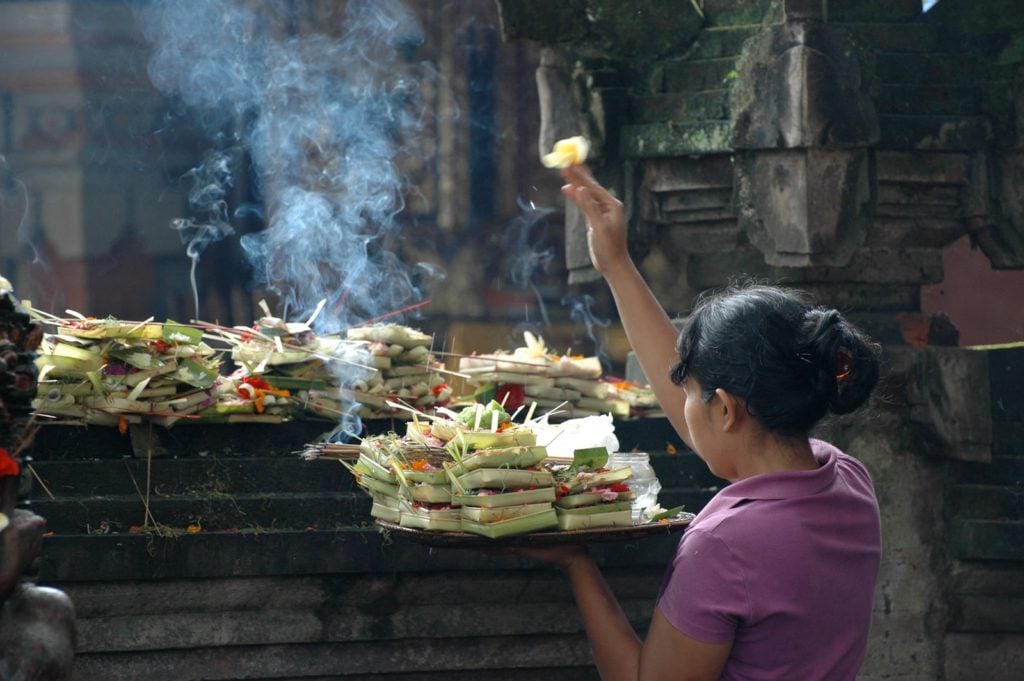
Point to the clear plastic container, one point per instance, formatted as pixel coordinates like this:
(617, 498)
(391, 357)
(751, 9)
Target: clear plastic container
(644, 481)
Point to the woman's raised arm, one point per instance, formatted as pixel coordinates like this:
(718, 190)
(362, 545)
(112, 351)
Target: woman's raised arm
(650, 332)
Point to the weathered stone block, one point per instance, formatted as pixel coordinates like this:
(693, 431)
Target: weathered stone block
(656, 140)
(742, 12)
(970, 657)
(957, 69)
(940, 133)
(900, 233)
(804, 207)
(895, 37)
(803, 85)
(688, 75)
(696, 106)
(952, 426)
(716, 42)
(873, 10)
(634, 30)
(910, 166)
(924, 100)
(986, 539)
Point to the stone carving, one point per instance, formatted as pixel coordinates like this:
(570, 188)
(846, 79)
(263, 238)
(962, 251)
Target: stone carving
(37, 635)
(803, 121)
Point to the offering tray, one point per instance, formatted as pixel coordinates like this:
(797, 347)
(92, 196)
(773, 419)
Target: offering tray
(467, 540)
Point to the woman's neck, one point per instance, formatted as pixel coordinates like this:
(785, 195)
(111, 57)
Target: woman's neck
(769, 453)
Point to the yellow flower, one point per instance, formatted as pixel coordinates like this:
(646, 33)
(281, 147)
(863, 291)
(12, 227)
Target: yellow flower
(567, 152)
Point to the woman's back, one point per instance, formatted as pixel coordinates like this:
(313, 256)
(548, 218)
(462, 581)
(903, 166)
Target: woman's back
(783, 565)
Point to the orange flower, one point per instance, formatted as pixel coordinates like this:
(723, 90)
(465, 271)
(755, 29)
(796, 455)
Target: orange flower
(194, 528)
(420, 465)
(122, 425)
(670, 449)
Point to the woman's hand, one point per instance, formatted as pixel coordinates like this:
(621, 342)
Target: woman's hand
(606, 224)
(562, 556)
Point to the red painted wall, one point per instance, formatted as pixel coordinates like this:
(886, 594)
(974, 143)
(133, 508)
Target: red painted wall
(986, 305)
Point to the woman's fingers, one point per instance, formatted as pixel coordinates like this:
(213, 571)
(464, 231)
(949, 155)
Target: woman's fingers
(583, 198)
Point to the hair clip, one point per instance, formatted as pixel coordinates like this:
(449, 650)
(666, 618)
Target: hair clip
(844, 364)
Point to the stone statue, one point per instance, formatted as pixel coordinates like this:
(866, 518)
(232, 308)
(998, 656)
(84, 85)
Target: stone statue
(37, 631)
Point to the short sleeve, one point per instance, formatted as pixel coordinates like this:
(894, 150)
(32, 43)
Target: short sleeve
(704, 594)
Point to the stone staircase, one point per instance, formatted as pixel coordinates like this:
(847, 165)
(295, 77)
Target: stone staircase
(265, 566)
(985, 524)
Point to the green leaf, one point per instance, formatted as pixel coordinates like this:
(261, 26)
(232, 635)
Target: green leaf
(196, 374)
(665, 515)
(590, 457)
(179, 333)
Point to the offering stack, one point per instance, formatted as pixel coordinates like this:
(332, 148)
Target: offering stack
(591, 495)
(457, 475)
(406, 370)
(497, 478)
(111, 372)
(572, 384)
(326, 375)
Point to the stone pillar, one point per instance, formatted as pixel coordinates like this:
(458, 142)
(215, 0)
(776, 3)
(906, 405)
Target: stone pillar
(803, 122)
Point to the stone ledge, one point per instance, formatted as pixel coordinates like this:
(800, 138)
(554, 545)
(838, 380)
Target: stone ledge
(939, 133)
(672, 139)
(74, 558)
(986, 539)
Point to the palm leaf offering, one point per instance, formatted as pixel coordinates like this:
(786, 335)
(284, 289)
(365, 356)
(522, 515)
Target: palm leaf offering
(117, 373)
(450, 473)
(575, 383)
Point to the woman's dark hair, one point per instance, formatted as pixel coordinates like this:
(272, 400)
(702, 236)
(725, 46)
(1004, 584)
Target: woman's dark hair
(790, 362)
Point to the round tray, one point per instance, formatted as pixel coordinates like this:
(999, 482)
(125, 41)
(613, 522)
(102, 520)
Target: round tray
(589, 536)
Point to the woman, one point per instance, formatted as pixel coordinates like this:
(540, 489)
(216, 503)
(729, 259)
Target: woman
(774, 578)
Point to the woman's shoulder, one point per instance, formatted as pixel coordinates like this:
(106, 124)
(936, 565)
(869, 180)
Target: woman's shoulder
(847, 466)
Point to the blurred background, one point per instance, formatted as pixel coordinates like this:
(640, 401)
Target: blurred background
(187, 160)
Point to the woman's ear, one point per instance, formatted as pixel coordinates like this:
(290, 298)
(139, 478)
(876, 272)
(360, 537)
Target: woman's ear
(727, 410)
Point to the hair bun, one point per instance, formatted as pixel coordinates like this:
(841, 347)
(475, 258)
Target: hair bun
(846, 362)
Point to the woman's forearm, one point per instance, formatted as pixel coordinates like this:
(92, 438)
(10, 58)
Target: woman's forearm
(615, 643)
(652, 336)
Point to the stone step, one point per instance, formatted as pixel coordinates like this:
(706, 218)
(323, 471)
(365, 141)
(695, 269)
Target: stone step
(1006, 374)
(737, 12)
(212, 512)
(873, 10)
(61, 442)
(987, 597)
(934, 133)
(1002, 470)
(985, 539)
(956, 69)
(929, 100)
(697, 75)
(894, 37)
(331, 608)
(1007, 436)
(362, 549)
(987, 502)
(716, 42)
(78, 481)
(190, 475)
(252, 513)
(422, 659)
(706, 105)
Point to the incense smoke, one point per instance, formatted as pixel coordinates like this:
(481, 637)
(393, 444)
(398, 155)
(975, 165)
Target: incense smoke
(525, 240)
(211, 181)
(580, 311)
(323, 119)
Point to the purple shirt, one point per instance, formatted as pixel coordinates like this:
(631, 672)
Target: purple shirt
(784, 566)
